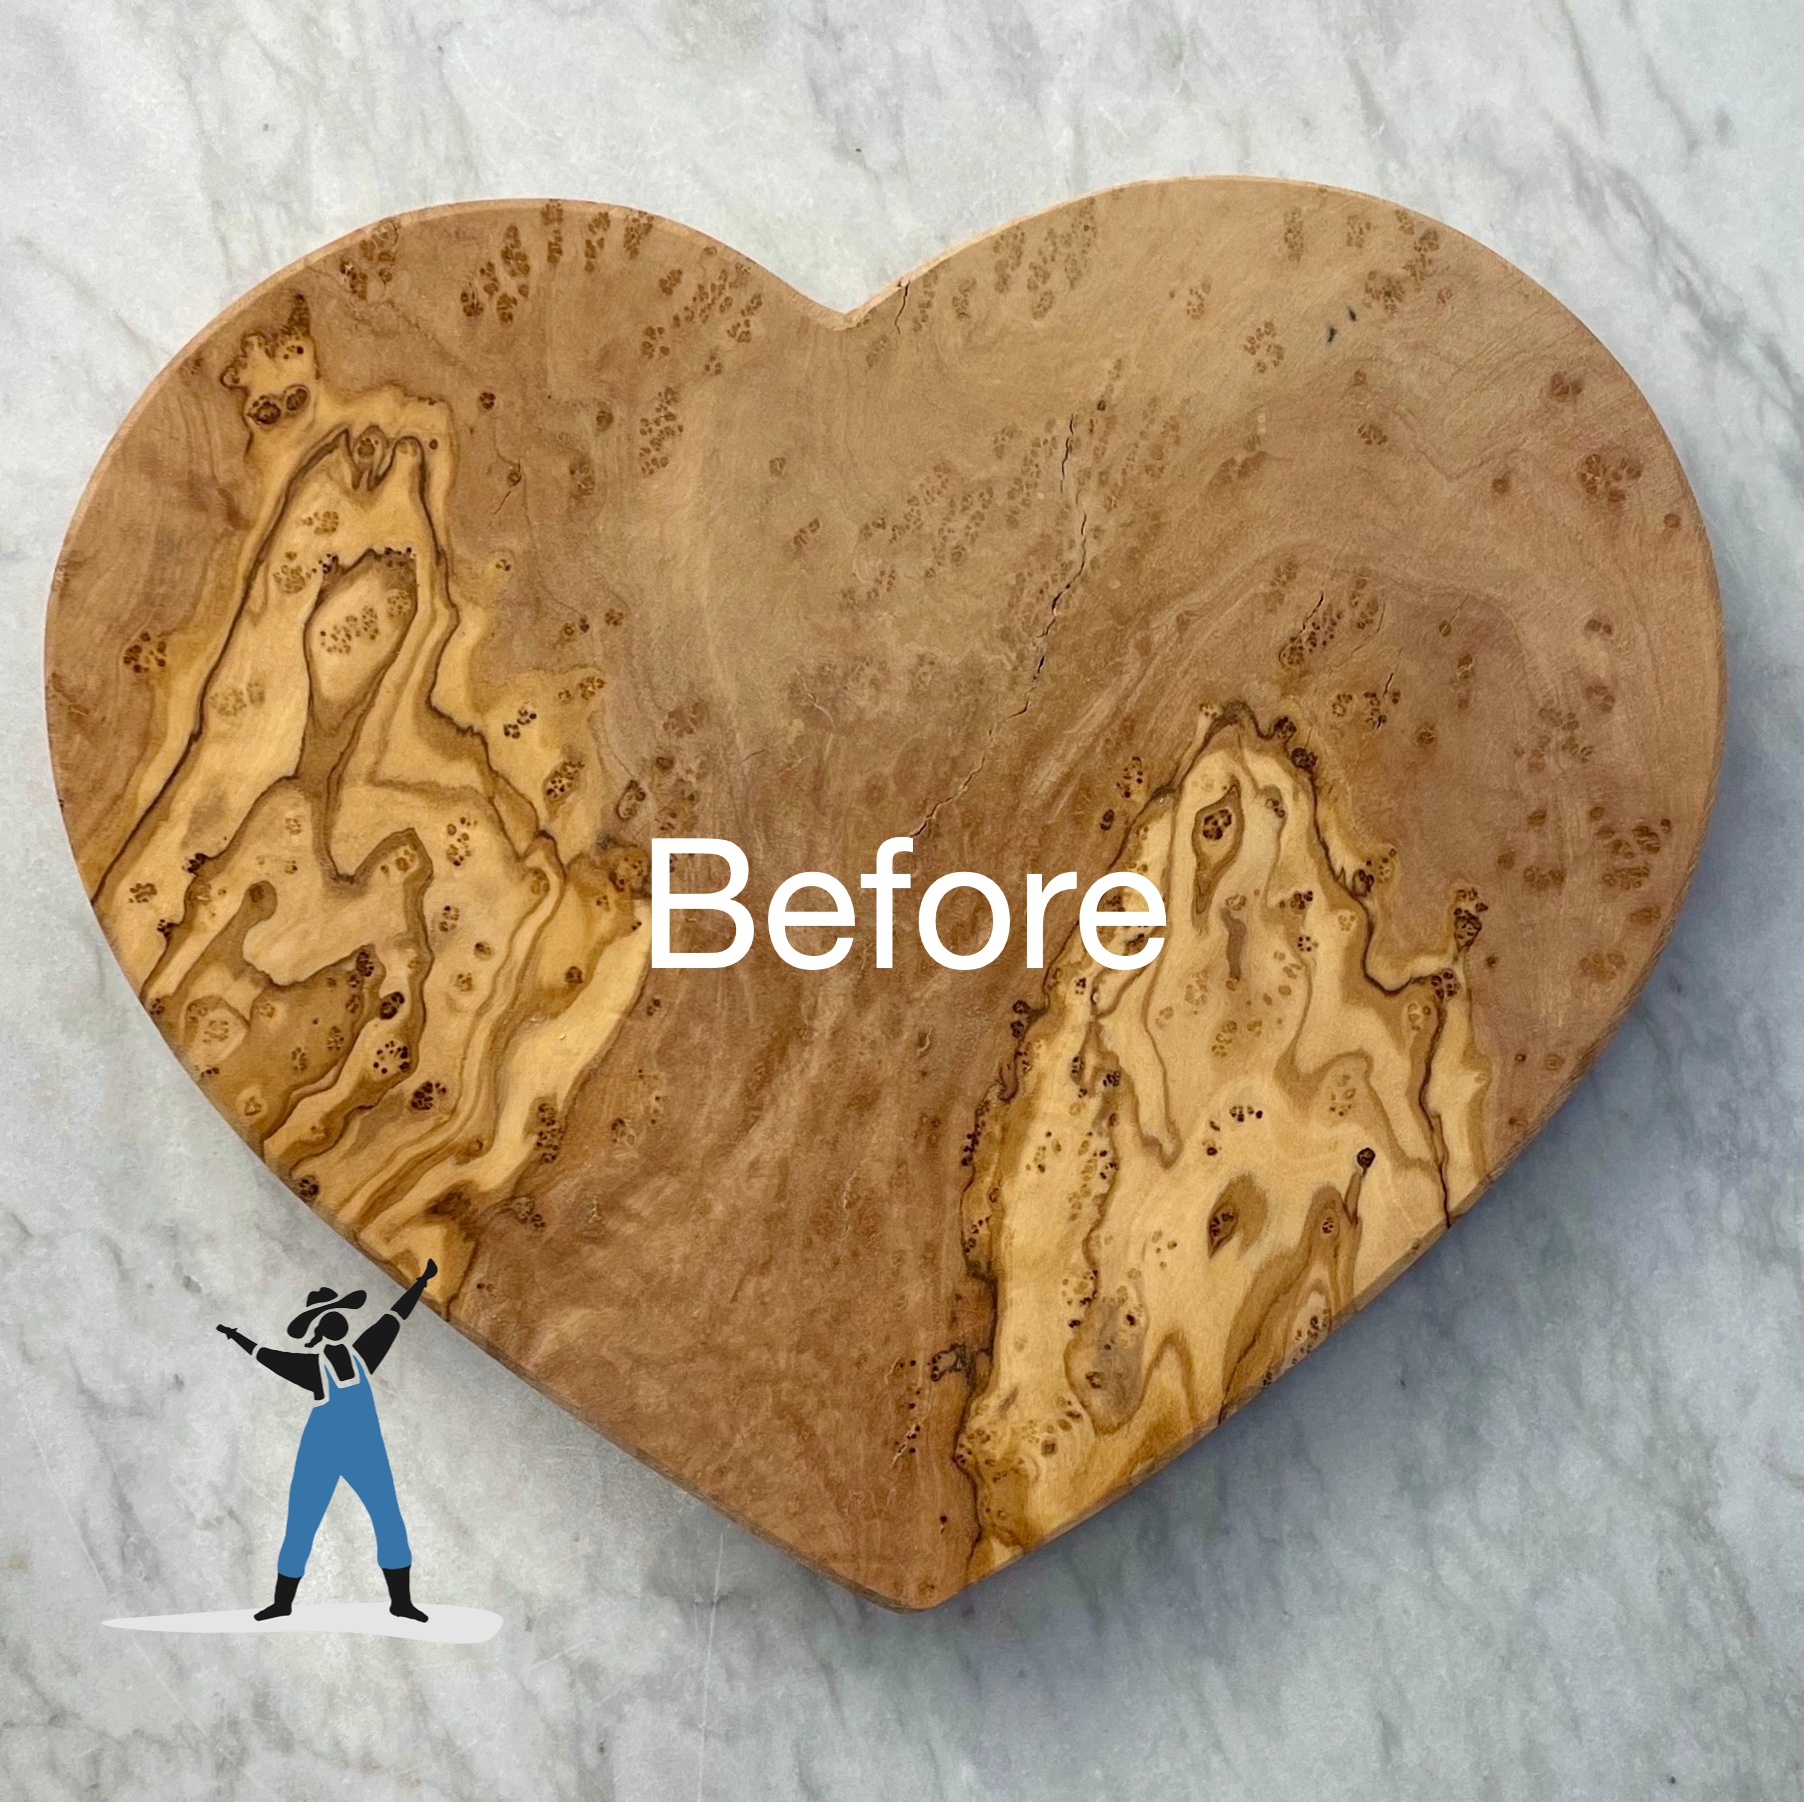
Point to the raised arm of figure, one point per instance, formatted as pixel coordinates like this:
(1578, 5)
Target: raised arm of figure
(372, 1344)
(299, 1368)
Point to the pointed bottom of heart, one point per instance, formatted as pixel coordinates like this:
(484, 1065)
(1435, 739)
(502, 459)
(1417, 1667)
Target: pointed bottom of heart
(443, 1623)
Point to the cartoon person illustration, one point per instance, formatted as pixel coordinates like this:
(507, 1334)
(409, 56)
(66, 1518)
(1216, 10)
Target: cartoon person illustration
(342, 1438)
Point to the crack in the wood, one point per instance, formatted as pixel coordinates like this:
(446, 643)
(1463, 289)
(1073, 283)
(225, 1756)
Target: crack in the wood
(1052, 616)
(1042, 643)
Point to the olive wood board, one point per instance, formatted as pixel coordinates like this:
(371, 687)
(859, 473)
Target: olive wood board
(1267, 539)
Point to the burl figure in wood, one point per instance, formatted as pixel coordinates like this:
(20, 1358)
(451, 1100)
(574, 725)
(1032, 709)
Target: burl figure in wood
(1267, 540)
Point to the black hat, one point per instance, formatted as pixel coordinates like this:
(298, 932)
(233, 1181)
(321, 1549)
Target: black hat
(322, 1301)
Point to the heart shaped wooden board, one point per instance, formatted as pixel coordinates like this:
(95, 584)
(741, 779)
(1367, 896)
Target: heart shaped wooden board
(1268, 539)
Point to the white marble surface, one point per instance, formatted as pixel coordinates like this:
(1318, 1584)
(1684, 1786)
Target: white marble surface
(1533, 1526)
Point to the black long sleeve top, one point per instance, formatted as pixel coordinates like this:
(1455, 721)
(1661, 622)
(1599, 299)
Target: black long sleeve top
(372, 1345)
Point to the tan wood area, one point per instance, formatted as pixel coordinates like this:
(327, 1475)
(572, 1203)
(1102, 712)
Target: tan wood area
(1270, 540)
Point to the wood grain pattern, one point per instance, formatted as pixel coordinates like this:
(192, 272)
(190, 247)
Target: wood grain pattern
(1270, 540)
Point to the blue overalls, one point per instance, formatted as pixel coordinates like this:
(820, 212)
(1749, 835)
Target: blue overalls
(342, 1438)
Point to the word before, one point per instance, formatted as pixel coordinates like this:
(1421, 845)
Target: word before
(781, 917)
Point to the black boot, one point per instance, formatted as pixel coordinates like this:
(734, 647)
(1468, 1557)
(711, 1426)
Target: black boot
(284, 1602)
(399, 1600)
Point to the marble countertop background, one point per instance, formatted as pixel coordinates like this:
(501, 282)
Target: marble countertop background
(1532, 1526)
